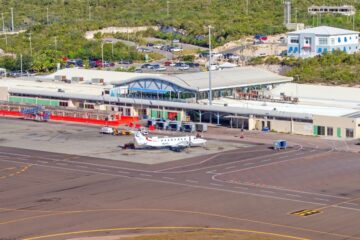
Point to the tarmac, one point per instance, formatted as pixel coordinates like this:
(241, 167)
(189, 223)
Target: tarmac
(308, 191)
(87, 141)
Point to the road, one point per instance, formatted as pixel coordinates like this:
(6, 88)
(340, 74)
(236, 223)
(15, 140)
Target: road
(45, 193)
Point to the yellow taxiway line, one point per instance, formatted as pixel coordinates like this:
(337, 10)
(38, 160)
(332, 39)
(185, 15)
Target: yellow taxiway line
(164, 228)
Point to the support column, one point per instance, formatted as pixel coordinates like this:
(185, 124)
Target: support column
(218, 118)
(200, 116)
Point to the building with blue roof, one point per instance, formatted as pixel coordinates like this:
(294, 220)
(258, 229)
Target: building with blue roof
(315, 41)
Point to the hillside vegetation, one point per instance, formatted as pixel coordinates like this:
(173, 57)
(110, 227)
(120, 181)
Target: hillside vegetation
(57, 27)
(335, 69)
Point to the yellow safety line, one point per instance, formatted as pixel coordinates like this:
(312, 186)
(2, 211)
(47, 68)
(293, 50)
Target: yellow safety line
(164, 228)
(58, 213)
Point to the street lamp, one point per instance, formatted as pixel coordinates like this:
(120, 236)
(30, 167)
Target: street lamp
(102, 55)
(210, 90)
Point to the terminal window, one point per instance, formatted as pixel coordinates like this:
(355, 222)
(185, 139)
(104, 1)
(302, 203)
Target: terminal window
(330, 131)
(323, 41)
(349, 133)
(321, 130)
(294, 40)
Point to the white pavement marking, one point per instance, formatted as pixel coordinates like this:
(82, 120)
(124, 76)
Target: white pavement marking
(266, 160)
(191, 181)
(352, 204)
(247, 164)
(231, 167)
(216, 184)
(61, 164)
(242, 188)
(168, 178)
(182, 184)
(293, 195)
(42, 161)
(322, 199)
(145, 175)
(123, 172)
(266, 191)
(15, 154)
(82, 166)
(284, 157)
(102, 169)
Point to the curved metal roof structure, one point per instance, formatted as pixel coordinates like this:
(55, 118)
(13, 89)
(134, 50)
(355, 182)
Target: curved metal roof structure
(199, 81)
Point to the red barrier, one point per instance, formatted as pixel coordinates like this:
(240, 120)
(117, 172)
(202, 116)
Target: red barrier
(10, 113)
(114, 123)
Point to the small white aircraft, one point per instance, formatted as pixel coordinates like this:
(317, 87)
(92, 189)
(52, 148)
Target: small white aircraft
(174, 143)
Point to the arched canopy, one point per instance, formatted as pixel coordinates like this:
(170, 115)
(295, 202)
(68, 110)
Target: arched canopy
(154, 85)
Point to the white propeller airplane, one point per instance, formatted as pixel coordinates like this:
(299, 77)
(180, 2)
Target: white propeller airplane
(174, 143)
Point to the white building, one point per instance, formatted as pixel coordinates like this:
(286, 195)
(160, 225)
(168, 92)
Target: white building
(314, 41)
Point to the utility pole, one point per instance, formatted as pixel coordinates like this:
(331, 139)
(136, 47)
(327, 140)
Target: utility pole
(89, 13)
(210, 60)
(247, 7)
(3, 22)
(21, 65)
(296, 15)
(47, 15)
(353, 22)
(30, 44)
(167, 8)
(102, 55)
(112, 50)
(12, 19)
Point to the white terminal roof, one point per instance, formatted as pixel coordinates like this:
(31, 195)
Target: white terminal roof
(325, 30)
(231, 78)
(31, 85)
(221, 79)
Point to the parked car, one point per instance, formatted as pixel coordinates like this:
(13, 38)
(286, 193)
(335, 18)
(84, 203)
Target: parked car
(204, 55)
(16, 74)
(74, 63)
(167, 63)
(149, 44)
(193, 65)
(144, 50)
(146, 65)
(160, 69)
(166, 48)
(234, 57)
(154, 66)
(176, 49)
(158, 46)
(184, 67)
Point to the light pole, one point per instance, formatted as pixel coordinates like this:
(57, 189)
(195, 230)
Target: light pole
(102, 55)
(21, 65)
(30, 44)
(210, 90)
(112, 50)
(3, 22)
(167, 8)
(12, 19)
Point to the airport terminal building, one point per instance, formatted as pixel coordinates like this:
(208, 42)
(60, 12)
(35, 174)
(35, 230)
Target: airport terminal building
(239, 99)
